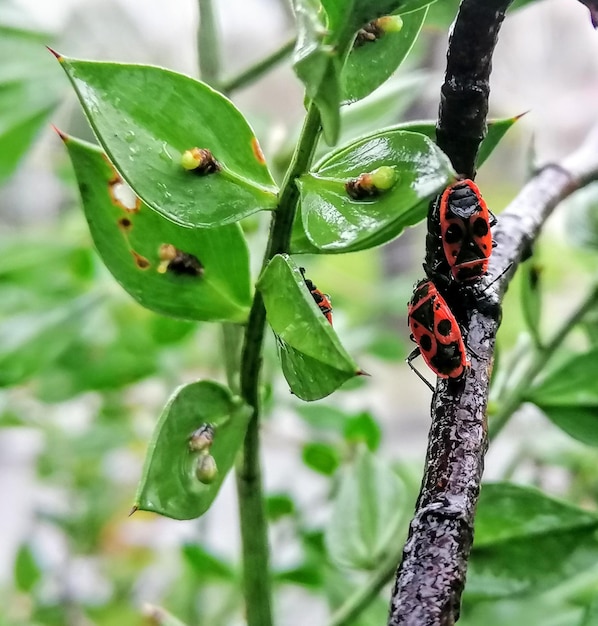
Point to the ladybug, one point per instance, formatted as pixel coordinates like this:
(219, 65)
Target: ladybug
(436, 332)
(321, 299)
(465, 223)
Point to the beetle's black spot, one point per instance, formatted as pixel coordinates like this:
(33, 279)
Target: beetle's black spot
(425, 343)
(453, 234)
(444, 327)
(480, 227)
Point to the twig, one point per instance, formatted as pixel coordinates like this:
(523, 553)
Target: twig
(464, 94)
(256, 71)
(249, 487)
(208, 46)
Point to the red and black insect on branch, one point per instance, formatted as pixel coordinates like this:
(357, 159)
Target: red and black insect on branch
(321, 299)
(458, 247)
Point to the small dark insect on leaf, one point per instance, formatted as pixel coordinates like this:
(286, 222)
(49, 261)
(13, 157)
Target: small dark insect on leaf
(370, 32)
(371, 184)
(202, 438)
(199, 161)
(178, 262)
(377, 28)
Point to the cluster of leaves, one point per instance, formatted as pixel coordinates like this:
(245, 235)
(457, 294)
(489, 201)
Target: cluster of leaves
(138, 200)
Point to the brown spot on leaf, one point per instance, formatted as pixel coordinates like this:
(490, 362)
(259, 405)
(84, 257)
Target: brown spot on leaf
(125, 224)
(257, 151)
(121, 194)
(140, 261)
(178, 262)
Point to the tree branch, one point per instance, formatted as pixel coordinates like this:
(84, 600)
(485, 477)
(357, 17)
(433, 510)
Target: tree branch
(431, 576)
(464, 94)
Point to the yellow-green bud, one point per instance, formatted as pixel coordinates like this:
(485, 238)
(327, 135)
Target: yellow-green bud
(390, 23)
(206, 469)
(384, 177)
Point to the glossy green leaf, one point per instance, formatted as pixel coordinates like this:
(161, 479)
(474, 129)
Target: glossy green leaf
(313, 359)
(30, 341)
(348, 230)
(527, 542)
(335, 222)
(367, 511)
(29, 91)
(325, 35)
(372, 63)
(146, 117)
(579, 422)
(496, 131)
(129, 237)
(321, 457)
(169, 485)
(572, 384)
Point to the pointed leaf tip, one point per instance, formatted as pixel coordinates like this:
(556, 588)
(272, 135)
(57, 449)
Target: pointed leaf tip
(56, 54)
(62, 135)
(362, 373)
(133, 509)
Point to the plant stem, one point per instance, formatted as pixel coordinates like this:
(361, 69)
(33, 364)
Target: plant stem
(516, 395)
(208, 47)
(256, 71)
(254, 530)
(367, 592)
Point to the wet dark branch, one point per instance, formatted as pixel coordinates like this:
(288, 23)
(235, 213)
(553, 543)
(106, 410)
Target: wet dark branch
(464, 94)
(431, 577)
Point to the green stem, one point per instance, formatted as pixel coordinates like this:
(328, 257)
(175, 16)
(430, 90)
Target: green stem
(254, 530)
(517, 394)
(256, 71)
(231, 344)
(208, 46)
(359, 601)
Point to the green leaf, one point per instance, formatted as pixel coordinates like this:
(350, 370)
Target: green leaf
(363, 428)
(323, 417)
(279, 505)
(325, 34)
(26, 573)
(313, 360)
(496, 131)
(370, 65)
(572, 384)
(206, 565)
(129, 237)
(146, 117)
(169, 485)
(367, 511)
(579, 422)
(526, 542)
(321, 457)
(317, 64)
(335, 222)
(29, 91)
(30, 341)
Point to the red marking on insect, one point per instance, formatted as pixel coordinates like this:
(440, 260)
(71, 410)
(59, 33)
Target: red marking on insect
(465, 223)
(257, 151)
(436, 332)
(321, 299)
